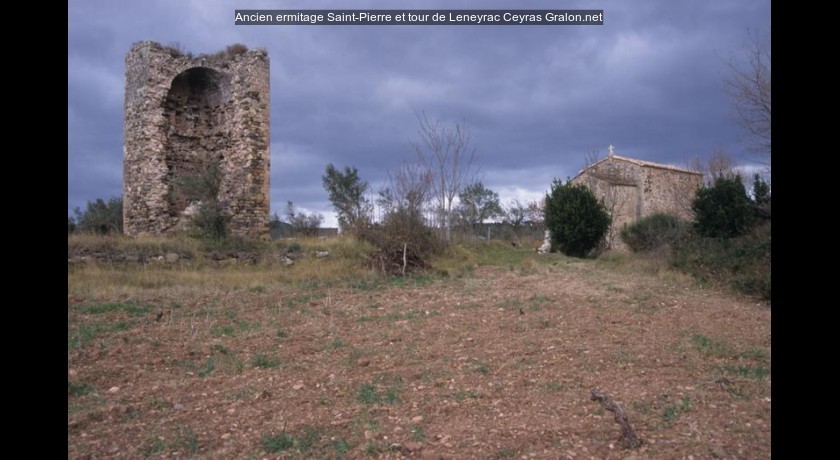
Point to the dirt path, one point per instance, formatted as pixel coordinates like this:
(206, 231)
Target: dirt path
(497, 365)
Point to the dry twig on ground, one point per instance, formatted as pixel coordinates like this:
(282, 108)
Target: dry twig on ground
(628, 439)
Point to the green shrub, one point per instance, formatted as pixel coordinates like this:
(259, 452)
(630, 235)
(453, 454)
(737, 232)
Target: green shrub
(654, 231)
(209, 222)
(741, 263)
(99, 217)
(723, 210)
(577, 220)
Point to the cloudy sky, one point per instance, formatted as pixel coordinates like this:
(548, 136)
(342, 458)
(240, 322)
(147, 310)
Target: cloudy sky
(536, 98)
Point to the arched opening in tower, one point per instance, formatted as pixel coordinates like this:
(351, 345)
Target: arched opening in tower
(197, 135)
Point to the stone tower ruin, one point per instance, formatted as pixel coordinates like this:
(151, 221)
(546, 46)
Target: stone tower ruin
(188, 118)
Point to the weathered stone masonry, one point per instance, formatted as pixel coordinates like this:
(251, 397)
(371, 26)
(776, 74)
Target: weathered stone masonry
(632, 189)
(184, 113)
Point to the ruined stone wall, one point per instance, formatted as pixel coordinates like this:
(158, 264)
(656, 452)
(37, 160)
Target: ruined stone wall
(185, 114)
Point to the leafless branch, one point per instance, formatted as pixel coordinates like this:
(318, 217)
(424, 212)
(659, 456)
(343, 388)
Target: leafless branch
(749, 86)
(445, 152)
(628, 439)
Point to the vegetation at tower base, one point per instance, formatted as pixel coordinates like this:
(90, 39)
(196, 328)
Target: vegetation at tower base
(576, 219)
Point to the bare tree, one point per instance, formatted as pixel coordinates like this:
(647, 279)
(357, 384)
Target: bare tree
(445, 152)
(749, 88)
(721, 164)
(407, 189)
(535, 212)
(515, 214)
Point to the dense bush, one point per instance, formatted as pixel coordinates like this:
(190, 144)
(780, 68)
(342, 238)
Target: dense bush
(101, 217)
(209, 222)
(577, 220)
(723, 210)
(404, 244)
(741, 263)
(653, 232)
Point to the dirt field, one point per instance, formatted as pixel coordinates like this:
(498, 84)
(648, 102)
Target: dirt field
(497, 364)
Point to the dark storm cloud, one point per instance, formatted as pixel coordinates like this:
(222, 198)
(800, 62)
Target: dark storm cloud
(537, 99)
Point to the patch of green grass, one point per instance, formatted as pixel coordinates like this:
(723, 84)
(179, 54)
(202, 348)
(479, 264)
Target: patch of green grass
(373, 448)
(281, 334)
(460, 395)
(264, 362)
(208, 368)
(710, 347)
(82, 335)
(259, 288)
(219, 348)
(367, 394)
(152, 445)
(505, 454)
(757, 354)
(641, 407)
(220, 329)
(242, 393)
(294, 302)
(481, 368)
(426, 375)
(308, 439)
(245, 326)
(673, 411)
(187, 440)
(545, 324)
(231, 364)
(353, 356)
(756, 372)
(554, 387)
(408, 315)
(539, 299)
(391, 395)
(418, 434)
(79, 389)
(336, 344)
(131, 307)
(340, 445)
(366, 286)
(508, 304)
(277, 443)
(413, 281)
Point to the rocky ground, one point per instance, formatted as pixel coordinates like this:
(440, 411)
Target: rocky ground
(497, 364)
